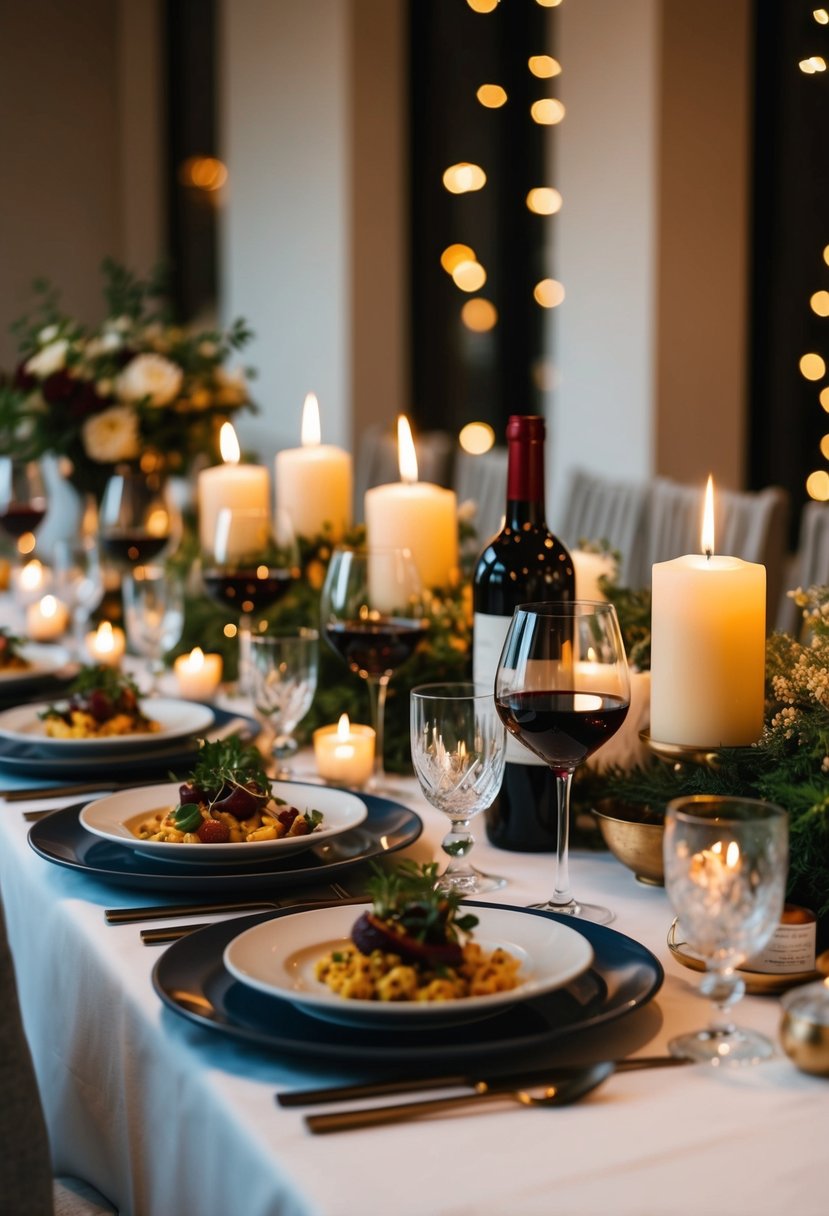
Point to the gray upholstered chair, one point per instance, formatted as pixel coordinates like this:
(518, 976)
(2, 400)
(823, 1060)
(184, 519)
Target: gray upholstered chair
(751, 525)
(810, 565)
(600, 509)
(27, 1187)
(483, 480)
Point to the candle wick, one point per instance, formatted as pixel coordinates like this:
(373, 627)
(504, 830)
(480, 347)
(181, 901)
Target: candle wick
(708, 553)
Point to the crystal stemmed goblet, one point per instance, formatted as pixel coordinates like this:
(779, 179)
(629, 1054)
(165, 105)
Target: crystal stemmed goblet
(283, 669)
(372, 615)
(23, 500)
(458, 750)
(726, 861)
(562, 689)
(79, 583)
(153, 614)
(245, 570)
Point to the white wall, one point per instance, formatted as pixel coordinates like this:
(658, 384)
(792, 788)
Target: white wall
(283, 124)
(604, 159)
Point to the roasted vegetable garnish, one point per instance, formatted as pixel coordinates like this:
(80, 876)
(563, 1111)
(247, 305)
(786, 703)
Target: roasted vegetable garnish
(411, 917)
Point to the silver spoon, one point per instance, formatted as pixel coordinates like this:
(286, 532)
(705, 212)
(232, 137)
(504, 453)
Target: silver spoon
(561, 1094)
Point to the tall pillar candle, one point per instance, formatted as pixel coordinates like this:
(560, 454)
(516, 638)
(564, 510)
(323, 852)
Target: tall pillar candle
(231, 484)
(708, 648)
(314, 483)
(415, 515)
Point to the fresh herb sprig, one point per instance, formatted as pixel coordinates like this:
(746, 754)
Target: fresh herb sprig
(229, 762)
(109, 680)
(409, 896)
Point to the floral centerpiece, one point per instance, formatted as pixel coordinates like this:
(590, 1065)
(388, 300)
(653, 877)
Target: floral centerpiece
(134, 388)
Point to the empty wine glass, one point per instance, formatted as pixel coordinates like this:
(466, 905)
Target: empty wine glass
(726, 861)
(458, 751)
(563, 689)
(138, 520)
(153, 614)
(23, 500)
(372, 614)
(79, 583)
(283, 669)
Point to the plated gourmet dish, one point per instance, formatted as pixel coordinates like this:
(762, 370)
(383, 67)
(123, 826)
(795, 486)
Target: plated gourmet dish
(412, 945)
(227, 799)
(11, 657)
(102, 703)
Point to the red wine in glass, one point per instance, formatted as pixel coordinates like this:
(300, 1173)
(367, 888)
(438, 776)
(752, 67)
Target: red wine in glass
(18, 518)
(132, 547)
(564, 728)
(247, 591)
(377, 646)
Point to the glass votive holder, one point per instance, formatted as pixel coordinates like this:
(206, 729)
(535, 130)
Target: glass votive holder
(345, 753)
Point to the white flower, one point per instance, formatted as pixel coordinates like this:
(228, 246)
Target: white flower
(48, 334)
(48, 360)
(150, 377)
(112, 435)
(107, 342)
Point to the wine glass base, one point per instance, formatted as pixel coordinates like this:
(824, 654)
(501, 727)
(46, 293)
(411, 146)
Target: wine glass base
(471, 883)
(595, 913)
(723, 1048)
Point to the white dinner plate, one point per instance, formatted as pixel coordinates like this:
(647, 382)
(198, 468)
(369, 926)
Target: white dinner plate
(177, 719)
(110, 817)
(278, 957)
(42, 661)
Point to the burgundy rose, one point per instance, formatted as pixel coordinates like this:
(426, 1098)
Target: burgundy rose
(58, 387)
(85, 401)
(23, 379)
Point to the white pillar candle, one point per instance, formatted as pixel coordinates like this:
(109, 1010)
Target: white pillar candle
(344, 752)
(106, 645)
(231, 484)
(314, 483)
(198, 674)
(708, 647)
(415, 515)
(46, 620)
(589, 568)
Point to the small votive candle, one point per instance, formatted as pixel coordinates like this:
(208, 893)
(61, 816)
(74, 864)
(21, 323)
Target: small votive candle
(46, 620)
(344, 753)
(198, 674)
(31, 582)
(106, 645)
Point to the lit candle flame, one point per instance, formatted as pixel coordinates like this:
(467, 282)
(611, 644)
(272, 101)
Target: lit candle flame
(343, 728)
(195, 659)
(49, 606)
(104, 639)
(311, 431)
(708, 519)
(229, 444)
(406, 455)
(31, 576)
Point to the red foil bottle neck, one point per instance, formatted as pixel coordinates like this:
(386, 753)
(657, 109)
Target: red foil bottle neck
(525, 469)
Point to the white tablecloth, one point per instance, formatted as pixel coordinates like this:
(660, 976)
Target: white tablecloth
(167, 1118)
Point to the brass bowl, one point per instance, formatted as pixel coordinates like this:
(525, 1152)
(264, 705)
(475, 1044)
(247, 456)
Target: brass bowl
(634, 836)
(804, 1028)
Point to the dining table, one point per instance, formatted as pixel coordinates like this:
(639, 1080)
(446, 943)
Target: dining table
(165, 1113)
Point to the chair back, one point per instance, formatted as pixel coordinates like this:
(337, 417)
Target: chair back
(483, 480)
(600, 509)
(750, 525)
(810, 565)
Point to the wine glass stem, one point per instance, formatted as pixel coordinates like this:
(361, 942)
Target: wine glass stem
(244, 680)
(562, 894)
(377, 686)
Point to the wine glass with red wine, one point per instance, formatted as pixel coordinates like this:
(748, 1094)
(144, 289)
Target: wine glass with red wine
(138, 520)
(23, 501)
(372, 616)
(563, 689)
(245, 570)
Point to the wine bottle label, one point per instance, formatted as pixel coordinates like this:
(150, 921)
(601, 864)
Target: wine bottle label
(791, 947)
(488, 637)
